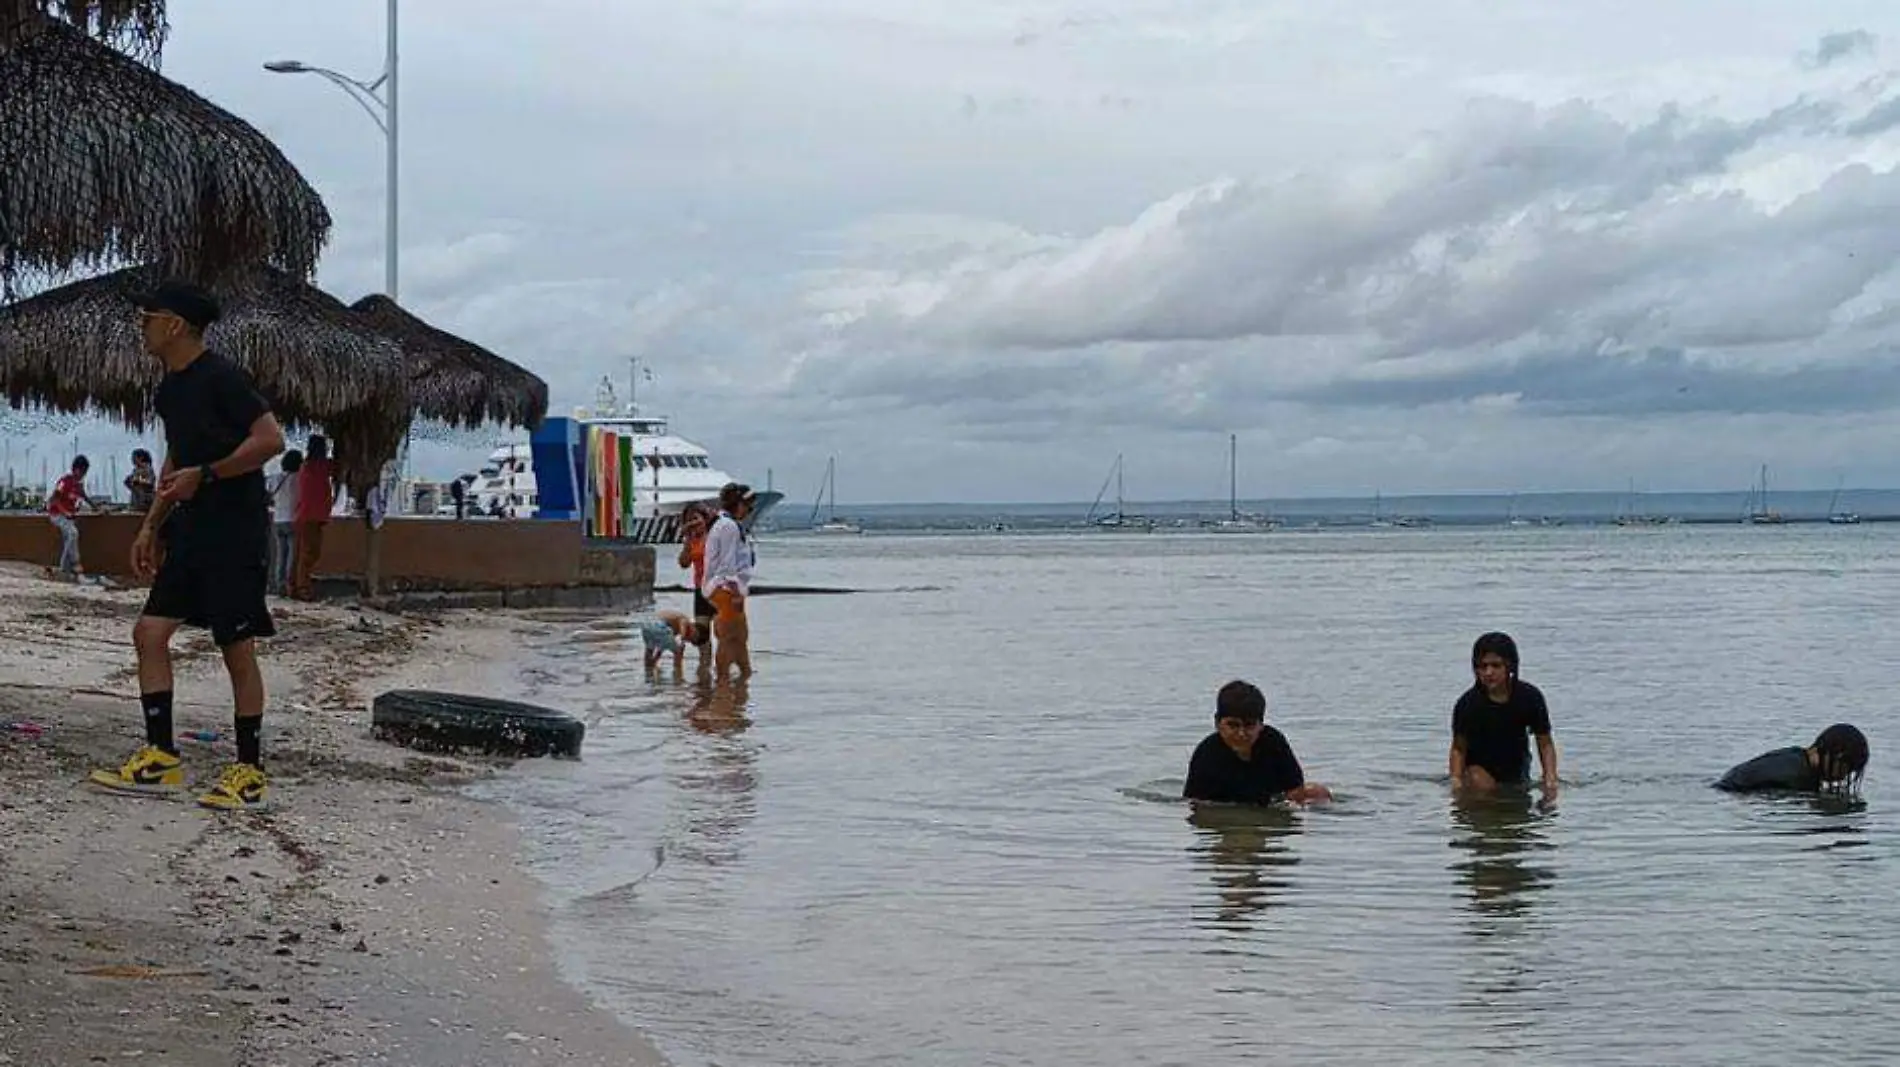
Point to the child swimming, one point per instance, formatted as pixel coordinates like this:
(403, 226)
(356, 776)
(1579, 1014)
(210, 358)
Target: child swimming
(1245, 761)
(669, 631)
(1835, 762)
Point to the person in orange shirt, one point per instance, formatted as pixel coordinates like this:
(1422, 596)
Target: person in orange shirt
(694, 522)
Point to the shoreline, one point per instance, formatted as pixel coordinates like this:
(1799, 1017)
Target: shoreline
(377, 915)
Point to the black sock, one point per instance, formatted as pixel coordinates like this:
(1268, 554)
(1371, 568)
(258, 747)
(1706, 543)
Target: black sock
(158, 720)
(247, 742)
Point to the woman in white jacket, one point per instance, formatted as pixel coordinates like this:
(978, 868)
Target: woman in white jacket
(728, 580)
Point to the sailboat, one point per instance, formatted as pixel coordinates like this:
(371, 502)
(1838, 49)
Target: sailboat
(1627, 514)
(1235, 522)
(1118, 519)
(832, 524)
(1759, 513)
(1840, 518)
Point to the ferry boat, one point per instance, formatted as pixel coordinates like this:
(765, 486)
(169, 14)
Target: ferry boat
(669, 472)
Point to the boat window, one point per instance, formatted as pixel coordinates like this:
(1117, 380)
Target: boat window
(639, 463)
(671, 461)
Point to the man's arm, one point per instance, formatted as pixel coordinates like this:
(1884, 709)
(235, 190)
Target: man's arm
(1456, 761)
(264, 441)
(161, 505)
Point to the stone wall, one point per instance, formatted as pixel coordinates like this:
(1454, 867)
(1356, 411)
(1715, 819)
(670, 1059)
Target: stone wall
(418, 555)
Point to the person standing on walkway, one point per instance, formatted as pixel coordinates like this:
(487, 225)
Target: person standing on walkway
(141, 486)
(62, 507)
(283, 505)
(315, 501)
(211, 514)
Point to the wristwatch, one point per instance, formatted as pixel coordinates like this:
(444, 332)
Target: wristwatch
(208, 474)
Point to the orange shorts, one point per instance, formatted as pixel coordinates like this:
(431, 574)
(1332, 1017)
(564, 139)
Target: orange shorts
(728, 604)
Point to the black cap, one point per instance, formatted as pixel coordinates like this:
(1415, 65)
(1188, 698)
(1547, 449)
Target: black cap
(183, 299)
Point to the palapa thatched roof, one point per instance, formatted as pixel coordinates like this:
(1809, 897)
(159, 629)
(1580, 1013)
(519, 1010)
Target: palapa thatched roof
(77, 348)
(455, 381)
(134, 26)
(105, 161)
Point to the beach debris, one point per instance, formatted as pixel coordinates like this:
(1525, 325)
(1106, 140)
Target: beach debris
(139, 972)
(29, 729)
(205, 736)
(450, 722)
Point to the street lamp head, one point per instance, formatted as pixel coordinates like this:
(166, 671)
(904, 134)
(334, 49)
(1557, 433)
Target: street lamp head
(285, 66)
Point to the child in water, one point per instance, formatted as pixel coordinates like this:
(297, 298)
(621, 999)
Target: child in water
(1834, 763)
(1493, 722)
(669, 631)
(1245, 761)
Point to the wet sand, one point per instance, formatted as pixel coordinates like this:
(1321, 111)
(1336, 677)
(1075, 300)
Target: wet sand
(375, 916)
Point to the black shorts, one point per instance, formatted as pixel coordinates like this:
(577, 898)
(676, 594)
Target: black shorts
(221, 588)
(702, 608)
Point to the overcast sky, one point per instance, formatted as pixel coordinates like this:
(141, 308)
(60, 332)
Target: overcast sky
(977, 248)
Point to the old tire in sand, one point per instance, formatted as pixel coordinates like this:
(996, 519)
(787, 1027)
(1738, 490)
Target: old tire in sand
(457, 722)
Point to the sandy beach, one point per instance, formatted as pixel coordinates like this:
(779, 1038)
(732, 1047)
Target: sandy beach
(375, 916)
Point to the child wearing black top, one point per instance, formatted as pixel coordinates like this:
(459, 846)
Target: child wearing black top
(1494, 719)
(1245, 761)
(1834, 763)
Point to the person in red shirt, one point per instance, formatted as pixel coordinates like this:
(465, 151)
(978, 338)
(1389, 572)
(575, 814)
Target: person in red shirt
(68, 493)
(315, 499)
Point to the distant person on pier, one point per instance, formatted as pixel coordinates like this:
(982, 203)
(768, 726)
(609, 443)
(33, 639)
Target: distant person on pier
(284, 487)
(62, 507)
(1834, 763)
(458, 492)
(728, 582)
(1493, 721)
(1245, 761)
(141, 486)
(316, 498)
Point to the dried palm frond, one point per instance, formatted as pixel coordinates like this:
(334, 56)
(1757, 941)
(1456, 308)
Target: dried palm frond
(455, 381)
(103, 160)
(77, 348)
(134, 26)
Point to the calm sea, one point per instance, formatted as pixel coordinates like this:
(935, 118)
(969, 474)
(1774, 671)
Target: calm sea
(938, 828)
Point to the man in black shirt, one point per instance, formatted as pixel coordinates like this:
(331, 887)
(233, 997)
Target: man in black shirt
(212, 511)
(1245, 761)
(1835, 762)
(1493, 720)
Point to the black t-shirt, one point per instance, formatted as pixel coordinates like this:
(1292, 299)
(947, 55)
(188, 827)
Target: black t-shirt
(1497, 736)
(1217, 773)
(208, 409)
(1784, 768)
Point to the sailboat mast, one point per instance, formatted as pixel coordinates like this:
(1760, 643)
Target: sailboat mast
(1233, 476)
(1119, 510)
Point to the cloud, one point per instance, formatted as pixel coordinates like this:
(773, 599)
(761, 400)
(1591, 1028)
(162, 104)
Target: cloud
(1839, 46)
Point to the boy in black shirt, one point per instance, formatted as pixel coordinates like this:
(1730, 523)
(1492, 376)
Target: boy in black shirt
(1835, 762)
(1493, 720)
(1245, 761)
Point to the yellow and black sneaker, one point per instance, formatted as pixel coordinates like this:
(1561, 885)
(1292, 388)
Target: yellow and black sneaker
(151, 770)
(241, 787)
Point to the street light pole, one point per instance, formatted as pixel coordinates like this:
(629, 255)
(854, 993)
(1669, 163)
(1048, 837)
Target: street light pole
(383, 111)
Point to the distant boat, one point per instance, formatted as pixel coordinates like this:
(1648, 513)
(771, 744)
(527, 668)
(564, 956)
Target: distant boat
(1759, 513)
(1840, 518)
(1627, 515)
(1235, 522)
(1119, 519)
(832, 524)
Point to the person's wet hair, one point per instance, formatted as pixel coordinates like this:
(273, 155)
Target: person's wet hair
(1495, 644)
(1842, 750)
(1240, 700)
(81, 463)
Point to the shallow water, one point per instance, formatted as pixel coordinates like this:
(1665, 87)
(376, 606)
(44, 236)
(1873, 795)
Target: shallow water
(940, 826)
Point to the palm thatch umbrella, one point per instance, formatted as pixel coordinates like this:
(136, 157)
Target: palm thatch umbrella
(103, 160)
(455, 381)
(135, 26)
(77, 348)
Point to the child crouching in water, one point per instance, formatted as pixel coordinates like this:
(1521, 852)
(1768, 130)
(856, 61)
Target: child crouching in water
(671, 632)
